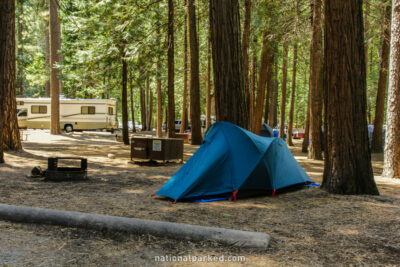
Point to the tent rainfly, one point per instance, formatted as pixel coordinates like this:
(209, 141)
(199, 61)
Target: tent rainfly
(232, 160)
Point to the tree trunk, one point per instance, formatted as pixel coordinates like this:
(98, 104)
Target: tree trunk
(55, 45)
(142, 103)
(348, 167)
(270, 86)
(195, 111)
(166, 119)
(273, 96)
(306, 138)
(185, 120)
(230, 96)
(377, 140)
(124, 93)
(292, 97)
(304, 147)
(274, 105)
(253, 80)
(147, 97)
(245, 46)
(151, 111)
(263, 77)
(132, 103)
(159, 98)
(47, 57)
(392, 148)
(369, 113)
(7, 73)
(293, 92)
(20, 69)
(267, 101)
(171, 72)
(208, 86)
(148, 104)
(118, 100)
(315, 149)
(366, 33)
(283, 96)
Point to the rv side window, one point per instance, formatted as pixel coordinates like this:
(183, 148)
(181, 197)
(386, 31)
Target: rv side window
(23, 113)
(88, 110)
(39, 109)
(110, 111)
(20, 103)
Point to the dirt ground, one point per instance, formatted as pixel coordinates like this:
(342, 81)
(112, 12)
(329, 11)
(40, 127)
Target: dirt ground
(308, 227)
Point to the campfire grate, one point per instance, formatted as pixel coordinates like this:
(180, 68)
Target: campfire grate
(55, 173)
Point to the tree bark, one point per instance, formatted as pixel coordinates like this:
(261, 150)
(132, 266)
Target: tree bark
(10, 137)
(148, 103)
(159, 98)
(315, 149)
(47, 57)
(292, 97)
(272, 119)
(185, 120)
(195, 111)
(348, 167)
(124, 93)
(392, 148)
(143, 104)
(377, 135)
(171, 72)
(263, 76)
(230, 96)
(306, 138)
(294, 72)
(267, 101)
(20, 69)
(369, 113)
(150, 126)
(270, 88)
(304, 147)
(253, 80)
(132, 103)
(7, 67)
(245, 46)
(166, 119)
(283, 96)
(366, 33)
(208, 86)
(147, 99)
(55, 45)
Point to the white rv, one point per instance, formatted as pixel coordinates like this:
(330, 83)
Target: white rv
(75, 114)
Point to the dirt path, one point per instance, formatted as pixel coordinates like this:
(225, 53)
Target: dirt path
(308, 227)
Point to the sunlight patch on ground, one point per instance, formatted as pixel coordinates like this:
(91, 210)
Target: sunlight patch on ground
(348, 231)
(300, 157)
(387, 180)
(315, 174)
(237, 205)
(133, 191)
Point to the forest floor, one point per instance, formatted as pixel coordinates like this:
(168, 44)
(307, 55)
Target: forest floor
(308, 227)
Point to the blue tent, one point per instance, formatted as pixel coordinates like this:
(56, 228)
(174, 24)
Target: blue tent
(232, 159)
(266, 131)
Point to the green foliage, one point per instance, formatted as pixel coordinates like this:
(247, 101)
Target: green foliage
(98, 34)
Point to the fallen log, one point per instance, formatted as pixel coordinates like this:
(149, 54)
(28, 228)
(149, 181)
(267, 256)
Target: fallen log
(224, 236)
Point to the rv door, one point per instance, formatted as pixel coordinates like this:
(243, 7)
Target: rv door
(22, 115)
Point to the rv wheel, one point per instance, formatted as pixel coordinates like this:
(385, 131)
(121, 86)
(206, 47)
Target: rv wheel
(68, 128)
